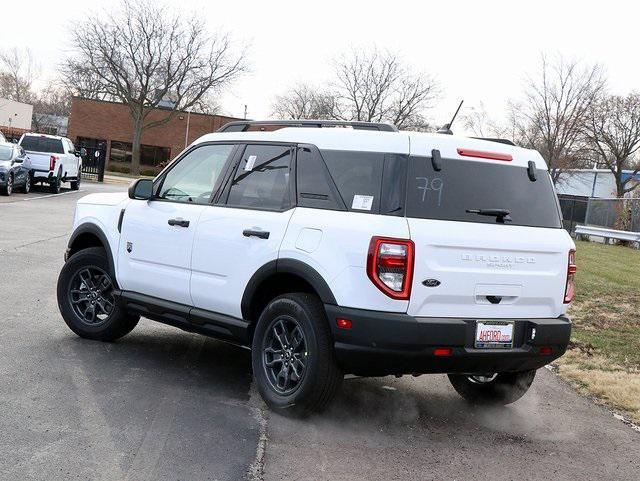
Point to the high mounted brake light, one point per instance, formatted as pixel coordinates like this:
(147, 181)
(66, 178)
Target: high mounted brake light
(480, 154)
(390, 266)
(570, 288)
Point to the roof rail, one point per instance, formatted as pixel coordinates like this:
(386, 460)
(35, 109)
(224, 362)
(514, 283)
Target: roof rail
(491, 139)
(244, 125)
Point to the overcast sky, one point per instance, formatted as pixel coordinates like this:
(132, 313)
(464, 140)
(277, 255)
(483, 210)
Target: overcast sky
(478, 51)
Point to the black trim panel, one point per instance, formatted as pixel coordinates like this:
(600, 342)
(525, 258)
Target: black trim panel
(187, 318)
(285, 266)
(383, 343)
(88, 228)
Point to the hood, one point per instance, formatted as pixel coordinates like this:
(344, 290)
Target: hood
(104, 199)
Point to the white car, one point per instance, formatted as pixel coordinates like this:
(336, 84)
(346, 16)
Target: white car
(52, 160)
(333, 251)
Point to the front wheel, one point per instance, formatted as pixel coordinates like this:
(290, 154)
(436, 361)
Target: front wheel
(86, 297)
(498, 388)
(7, 189)
(294, 364)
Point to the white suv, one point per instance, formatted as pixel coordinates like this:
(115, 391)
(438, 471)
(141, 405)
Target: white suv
(333, 251)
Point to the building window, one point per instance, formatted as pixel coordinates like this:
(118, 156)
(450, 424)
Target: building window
(149, 155)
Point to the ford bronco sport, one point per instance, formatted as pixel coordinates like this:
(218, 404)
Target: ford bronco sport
(333, 251)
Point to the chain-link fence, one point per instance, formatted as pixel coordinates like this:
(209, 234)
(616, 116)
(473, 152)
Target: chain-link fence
(620, 214)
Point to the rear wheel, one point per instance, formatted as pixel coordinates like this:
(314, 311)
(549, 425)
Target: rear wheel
(497, 388)
(8, 187)
(26, 188)
(86, 297)
(294, 364)
(75, 184)
(55, 185)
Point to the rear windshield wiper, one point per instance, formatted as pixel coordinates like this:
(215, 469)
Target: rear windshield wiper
(501, 215)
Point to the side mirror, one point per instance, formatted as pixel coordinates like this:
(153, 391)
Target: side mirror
(76, 153)
(18, 160)
(14, 141)
(141, 189)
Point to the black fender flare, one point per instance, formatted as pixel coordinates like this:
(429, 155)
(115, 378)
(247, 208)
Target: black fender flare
(89, 228)
(286, 266)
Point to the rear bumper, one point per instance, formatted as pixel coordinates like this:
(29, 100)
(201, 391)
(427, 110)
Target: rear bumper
(383, 343)
(41, 174)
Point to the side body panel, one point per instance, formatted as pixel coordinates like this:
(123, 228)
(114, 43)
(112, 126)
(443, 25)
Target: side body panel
(336, 244)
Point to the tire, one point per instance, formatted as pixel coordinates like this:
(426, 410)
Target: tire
(75, 184)
(312, 385)
(502, 388)
(76, 295)
(55, 185)
(7, 189)
(26, 188)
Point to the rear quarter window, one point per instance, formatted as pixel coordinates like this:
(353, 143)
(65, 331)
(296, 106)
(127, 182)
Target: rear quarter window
(466, 184)
(369, 182)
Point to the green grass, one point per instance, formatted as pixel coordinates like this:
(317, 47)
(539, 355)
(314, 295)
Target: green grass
(606, 310)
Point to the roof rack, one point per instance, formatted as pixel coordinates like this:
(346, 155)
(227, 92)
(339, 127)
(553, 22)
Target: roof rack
(491, 139)
(244, 125)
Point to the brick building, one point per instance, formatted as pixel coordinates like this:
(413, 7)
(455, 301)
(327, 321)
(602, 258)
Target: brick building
(94, 123)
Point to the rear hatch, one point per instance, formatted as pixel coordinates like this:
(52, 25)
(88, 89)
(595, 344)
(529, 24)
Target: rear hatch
(485, 266)
(39, 150)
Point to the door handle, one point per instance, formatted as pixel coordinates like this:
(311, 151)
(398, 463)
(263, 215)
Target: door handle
(255, 233)
(178, 222)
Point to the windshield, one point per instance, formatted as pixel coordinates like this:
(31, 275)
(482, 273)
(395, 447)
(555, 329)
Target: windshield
(42, 144)
(5, 152)
(472, 191)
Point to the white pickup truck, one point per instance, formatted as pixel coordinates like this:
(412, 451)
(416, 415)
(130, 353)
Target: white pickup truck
(52, 160)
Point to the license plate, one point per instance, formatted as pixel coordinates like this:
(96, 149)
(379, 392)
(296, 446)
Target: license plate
(494, 334)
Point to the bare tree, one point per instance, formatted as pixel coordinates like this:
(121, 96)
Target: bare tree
(18, 70)
(305, 102)
(481, 124)
(146, 57)
(554, 109)
(612, 134)
(49, 106)
(375, 86)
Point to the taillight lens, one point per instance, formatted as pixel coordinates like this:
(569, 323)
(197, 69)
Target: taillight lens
(570, 289)
(52, 162)
(390, 266)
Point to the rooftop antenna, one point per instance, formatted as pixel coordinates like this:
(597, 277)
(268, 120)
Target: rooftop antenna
(446, 128)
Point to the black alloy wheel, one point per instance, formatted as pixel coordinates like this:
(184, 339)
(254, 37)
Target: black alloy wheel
(91, 295)
(284, 351)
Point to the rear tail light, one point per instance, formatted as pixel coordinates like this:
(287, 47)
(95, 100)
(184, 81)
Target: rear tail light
(570, 289)
(52, 162)
(390, 266)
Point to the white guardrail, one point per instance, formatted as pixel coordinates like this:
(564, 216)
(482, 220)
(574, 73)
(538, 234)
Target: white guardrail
(607, 233)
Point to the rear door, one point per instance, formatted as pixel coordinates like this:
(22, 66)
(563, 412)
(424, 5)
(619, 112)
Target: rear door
(472, 265)
(244, 230)
(154, 256)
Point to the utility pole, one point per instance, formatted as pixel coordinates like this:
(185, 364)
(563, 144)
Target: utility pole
(245, 111)
(186, 133)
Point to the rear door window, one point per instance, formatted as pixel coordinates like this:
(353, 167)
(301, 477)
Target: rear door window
(33, 143)
(262, 178)
(463, 185)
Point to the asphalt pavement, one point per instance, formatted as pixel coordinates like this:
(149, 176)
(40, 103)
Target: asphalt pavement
(162, 404)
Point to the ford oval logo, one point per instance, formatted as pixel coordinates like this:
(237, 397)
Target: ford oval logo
(431, 283)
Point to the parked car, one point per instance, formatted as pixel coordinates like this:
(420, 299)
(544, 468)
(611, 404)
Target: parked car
(3, 139)
(328, 251)
(53, 160)
(13, 171)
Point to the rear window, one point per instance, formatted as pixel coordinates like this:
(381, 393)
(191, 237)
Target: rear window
(42, 144)
(463, 185)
